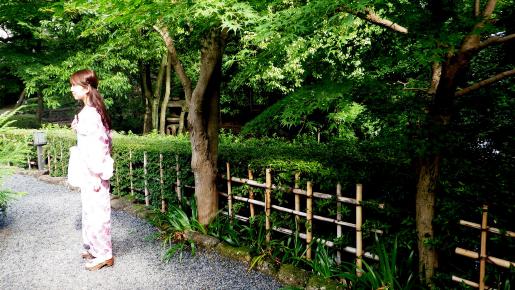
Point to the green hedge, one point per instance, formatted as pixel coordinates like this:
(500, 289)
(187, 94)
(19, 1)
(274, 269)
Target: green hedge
(323, 164)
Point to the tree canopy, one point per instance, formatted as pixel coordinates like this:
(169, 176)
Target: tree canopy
(427, 85)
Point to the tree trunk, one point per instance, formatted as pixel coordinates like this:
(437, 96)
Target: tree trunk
(166, 98)
(425, 211)
(156, 99)
(39, 111)
(147, 94)
(21, 99)
(203, 120)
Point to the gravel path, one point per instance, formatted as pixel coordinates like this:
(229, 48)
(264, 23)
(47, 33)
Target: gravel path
(40, 242)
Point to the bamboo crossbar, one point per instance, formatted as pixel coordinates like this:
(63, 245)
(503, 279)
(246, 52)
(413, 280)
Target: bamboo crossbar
(289, 189)
(490, 229)
(493, 260)
(245, 199)
(466, 282)
(330, 244)
(320, 195)
(350, 250)
(292, 211)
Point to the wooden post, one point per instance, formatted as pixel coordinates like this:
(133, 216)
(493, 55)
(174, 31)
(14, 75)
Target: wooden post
(178, 181)
(161, 179)
(268, 204)
(130, 172)
(338, 218)
(359, 236)
(297, 201)
(28, 162)
(229, 192)
(251, 193)
(147, 198)
(482, 255)
(309, 219)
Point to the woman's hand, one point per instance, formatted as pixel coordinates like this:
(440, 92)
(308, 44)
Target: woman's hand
(74, 123)
(97, 184)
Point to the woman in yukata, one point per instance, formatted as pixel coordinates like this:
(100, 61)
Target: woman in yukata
(91, 167)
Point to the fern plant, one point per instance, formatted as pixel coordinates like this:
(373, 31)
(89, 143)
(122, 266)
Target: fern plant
(173, 226)
(11, 152)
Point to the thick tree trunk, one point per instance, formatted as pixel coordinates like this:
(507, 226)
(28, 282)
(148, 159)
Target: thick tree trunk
(166, 97)
(425, 211)
(203, 120)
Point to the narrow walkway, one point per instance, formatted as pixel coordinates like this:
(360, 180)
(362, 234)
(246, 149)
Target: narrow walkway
(40, 242)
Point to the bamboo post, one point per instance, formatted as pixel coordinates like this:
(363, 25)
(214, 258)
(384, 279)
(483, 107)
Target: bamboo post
(62, 159)
(297, 201)
(178, 182)
(359, 236)
(130, 172)
(309, 219)
(147, 199)
(338, 218)
(161, 179)
(268, 203)
(49, 164)
(55, 160)
(117, 176)
(251, 194)
(482, 256)
(229, 191)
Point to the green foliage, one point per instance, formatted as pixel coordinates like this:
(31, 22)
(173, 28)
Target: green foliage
(173, 225)
(323, 263)
(392, 272)
(226, 231)
(13, 152)
(326, 107)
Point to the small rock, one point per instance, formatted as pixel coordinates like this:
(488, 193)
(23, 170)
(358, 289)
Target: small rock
(202, 240)
(320, 283)
(241, 253)
(292, 275)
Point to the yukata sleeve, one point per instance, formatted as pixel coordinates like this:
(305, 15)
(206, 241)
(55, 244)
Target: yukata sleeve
(96, 144)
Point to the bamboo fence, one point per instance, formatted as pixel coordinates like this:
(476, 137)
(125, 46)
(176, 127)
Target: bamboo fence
(308, 194)
(308, 215)
(145, 190)
(482, 256)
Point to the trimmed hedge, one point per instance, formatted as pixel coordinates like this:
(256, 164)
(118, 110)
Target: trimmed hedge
(323, 164)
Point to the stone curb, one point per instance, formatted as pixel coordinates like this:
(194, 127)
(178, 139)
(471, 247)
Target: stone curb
(287, 274)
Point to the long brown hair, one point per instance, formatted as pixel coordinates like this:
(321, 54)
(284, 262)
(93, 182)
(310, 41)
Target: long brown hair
(88, 79)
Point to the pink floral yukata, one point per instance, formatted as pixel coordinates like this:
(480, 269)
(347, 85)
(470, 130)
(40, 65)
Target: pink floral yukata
(91, 169)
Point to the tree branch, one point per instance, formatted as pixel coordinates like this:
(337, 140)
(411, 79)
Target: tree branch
(210, 55)
(436, 75)
(471, 42)
(476, 8)
(495, 40)
(373, 18)
(489, 8)
(485, 82)
(179, 70)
